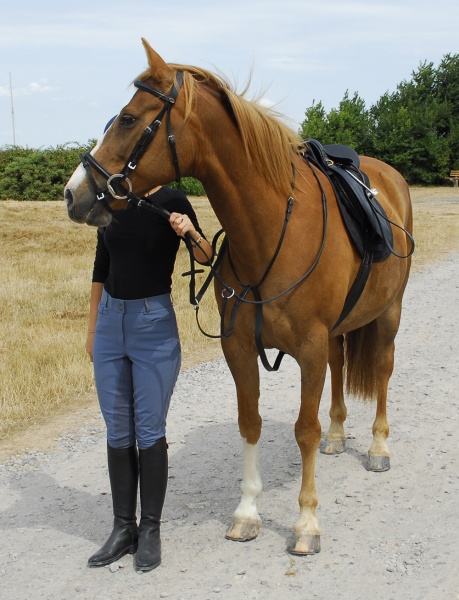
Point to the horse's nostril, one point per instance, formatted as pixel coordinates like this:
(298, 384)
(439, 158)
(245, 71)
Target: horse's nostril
(68, 197)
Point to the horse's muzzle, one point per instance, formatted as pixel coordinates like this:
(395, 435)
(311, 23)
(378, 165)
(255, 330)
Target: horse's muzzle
(73, 215)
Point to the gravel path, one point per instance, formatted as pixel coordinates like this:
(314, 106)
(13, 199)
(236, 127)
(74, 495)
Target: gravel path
(392, 534)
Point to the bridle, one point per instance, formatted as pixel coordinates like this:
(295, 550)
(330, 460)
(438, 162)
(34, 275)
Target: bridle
(116, 182)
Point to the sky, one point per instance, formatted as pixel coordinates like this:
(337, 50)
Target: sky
(69, 65)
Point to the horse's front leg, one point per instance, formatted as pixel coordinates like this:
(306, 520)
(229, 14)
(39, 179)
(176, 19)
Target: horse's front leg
(336, 438)
(243, 364)
(313, 365)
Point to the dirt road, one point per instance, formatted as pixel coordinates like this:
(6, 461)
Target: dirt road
(392, 535)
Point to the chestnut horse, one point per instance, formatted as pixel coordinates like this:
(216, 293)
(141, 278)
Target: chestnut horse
(251, 167)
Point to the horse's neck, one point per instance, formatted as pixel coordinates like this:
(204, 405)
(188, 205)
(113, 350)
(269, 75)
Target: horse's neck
(249, 210)
(250, 213)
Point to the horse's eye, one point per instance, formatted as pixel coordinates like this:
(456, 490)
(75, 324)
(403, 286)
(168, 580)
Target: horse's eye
(127, 120)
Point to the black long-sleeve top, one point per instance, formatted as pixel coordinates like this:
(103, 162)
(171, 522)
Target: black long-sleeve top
(135, 254)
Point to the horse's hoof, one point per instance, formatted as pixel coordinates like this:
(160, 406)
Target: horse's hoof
(378, 463)
(307, 544)
(334, 446)
(242, 532)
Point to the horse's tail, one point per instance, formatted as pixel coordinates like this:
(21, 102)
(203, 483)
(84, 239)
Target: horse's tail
(361, 355)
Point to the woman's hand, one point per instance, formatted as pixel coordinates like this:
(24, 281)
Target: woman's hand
(90, 344)
(202, 250)
(182, 224)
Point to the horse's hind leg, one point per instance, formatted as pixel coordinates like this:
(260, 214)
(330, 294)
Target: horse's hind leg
(335, 438)
(243, 364)
(388, 323)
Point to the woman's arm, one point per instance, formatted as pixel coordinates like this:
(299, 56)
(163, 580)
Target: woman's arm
(96, 295)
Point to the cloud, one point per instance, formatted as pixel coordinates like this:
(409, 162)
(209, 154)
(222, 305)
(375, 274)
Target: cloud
(39, 88)
(266, 102)
(34, 87)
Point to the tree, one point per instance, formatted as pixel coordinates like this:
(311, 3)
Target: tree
(350, 124)
(409, 129)
(415, 128)
(448, 89)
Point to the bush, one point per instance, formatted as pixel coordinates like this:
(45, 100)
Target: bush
(29, 174)
(191, 187)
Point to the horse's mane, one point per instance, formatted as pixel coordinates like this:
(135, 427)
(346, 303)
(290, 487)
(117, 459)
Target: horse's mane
(268, 143)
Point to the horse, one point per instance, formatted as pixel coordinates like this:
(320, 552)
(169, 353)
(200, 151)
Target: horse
(253, 170)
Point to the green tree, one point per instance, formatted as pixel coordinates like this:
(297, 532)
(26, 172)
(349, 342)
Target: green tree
(415, 128)
(448, 90)
(410, 131)
(315, 125)
(350, 124)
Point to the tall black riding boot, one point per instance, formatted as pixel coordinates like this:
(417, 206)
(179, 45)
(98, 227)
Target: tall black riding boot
(123, 470)
(153, 483)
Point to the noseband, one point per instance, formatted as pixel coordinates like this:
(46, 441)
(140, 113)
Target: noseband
(115, 187)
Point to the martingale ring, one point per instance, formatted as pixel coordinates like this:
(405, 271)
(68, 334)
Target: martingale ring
(229, 293)
(112, 190)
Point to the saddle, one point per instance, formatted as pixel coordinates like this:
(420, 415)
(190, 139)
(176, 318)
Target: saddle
(364, 218)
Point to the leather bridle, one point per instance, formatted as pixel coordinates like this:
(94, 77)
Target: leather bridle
(116, 182)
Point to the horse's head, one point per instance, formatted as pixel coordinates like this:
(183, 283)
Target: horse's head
(135, 153)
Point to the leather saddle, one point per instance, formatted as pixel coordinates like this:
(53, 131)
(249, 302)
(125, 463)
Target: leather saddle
(365, 219)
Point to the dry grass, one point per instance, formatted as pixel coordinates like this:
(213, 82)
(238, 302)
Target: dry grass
(46, 272)
(44, 297)
(436, 223)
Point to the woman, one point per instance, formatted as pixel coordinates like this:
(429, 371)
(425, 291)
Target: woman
(134, 344)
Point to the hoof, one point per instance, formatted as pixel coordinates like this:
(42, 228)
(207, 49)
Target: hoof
(334, 446)
(242, 532)
(308, 544)
(378, 463)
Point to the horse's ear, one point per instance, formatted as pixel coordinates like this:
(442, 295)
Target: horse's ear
(159, 70)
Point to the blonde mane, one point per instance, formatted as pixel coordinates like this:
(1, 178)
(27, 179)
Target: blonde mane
(269, 144)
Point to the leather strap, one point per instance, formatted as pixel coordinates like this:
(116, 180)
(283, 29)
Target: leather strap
(357, 288)
(258, 341)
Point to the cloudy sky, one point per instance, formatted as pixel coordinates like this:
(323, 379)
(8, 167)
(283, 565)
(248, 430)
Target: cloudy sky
(71, 63)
